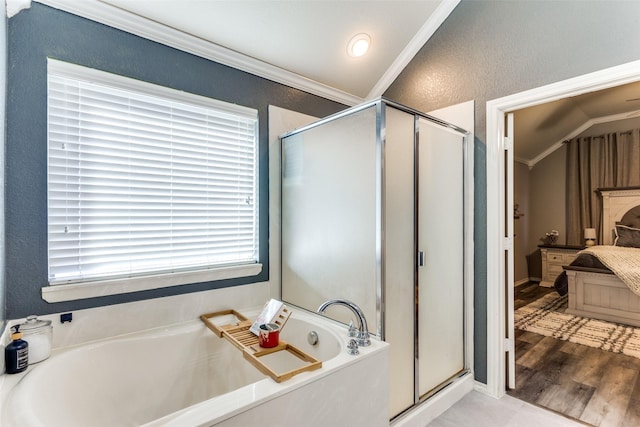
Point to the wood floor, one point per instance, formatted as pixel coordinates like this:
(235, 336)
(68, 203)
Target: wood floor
(593, 386)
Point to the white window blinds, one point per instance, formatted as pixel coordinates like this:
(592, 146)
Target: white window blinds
(142, 184)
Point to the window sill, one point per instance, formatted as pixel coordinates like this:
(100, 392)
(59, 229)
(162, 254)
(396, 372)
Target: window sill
(76, 291)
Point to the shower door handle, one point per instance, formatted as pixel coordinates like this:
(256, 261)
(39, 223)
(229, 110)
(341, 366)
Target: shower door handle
(420, 259)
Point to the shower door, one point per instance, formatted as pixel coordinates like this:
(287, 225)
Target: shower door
(440, 214)
(362, 191)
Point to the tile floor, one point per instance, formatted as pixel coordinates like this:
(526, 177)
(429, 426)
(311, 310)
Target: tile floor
(479, 410)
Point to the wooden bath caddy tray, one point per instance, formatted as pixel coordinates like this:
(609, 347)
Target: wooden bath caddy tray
(245, 340)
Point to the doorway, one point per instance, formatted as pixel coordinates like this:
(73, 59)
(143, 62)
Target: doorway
(499, 242)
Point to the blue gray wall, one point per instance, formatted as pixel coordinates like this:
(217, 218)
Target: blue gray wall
(41, 32)
(3, 96)
(490, 49)
(485, 50)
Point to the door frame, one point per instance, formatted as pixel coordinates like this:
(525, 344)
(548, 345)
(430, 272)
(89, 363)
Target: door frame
(495, 170)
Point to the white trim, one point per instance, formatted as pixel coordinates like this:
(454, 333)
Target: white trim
(521, 160)
(13, 7)
(137, 25)
(577, 131)
(531, 163)
(436, 19)
(615, 76)
(480, 387)
(495, 258)
(84, 290)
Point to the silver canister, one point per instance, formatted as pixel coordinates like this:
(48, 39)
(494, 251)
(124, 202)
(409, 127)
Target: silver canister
(38, 333)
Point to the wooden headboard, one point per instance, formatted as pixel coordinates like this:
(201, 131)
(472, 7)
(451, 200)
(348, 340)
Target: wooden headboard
(619, 205)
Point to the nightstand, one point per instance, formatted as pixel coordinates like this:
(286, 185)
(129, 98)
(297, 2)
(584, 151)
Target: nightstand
(553, 258)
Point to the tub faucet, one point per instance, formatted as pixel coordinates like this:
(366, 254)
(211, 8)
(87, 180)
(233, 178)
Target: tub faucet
(363, 332)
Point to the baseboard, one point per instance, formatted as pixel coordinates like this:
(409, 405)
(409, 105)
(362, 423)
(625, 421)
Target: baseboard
(480, 387)
(522, 282)
(432, 408)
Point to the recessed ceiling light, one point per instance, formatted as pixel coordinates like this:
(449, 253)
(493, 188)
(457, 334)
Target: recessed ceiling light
(358, 45)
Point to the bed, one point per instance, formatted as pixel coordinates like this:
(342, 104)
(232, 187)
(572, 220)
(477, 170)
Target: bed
(594, 290)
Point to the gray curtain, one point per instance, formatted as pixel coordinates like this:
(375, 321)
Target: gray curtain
(611, 160)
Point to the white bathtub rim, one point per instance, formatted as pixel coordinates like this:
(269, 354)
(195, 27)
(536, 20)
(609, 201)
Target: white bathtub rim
(205, 414)
(227, 405)
(234, 403)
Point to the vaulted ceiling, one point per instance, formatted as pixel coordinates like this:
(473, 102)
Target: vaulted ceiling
(303, 43)
(541, 129)
(308, 37)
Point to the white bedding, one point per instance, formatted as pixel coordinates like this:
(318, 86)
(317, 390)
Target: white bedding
(623, 261)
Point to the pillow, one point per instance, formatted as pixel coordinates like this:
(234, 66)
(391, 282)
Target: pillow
(627, 236)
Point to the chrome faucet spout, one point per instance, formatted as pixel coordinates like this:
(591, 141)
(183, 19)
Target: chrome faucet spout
(363, 330)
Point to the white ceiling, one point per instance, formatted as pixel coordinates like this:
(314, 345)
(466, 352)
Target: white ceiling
(306, 37)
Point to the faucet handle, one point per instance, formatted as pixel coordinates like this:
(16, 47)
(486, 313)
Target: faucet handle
(363, 339)
(352, 348)
(353, 331)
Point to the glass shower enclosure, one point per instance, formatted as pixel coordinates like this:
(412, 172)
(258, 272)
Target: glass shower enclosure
(373, 212)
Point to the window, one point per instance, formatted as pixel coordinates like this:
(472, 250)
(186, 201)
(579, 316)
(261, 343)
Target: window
(145, 181)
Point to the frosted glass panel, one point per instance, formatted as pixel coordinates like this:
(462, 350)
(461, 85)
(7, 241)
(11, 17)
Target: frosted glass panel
(349, 191)
(440, 237)
(399, 256)
(329, 215)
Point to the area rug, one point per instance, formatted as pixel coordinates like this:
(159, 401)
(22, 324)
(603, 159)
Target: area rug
(546, 316)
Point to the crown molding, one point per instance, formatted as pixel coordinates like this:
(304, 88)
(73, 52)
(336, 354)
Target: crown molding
(436, 19)
(13, 7)
(103, 13)
(523, 161)
(577, 131)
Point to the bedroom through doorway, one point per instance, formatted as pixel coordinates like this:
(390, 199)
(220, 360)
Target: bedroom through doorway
(572, 373)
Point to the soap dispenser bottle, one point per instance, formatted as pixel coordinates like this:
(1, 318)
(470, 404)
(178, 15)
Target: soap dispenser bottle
(16, 354)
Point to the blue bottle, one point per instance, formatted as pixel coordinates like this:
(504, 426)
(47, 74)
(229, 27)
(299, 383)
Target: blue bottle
(16, 354)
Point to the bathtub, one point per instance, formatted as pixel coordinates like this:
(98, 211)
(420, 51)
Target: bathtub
(184, 375)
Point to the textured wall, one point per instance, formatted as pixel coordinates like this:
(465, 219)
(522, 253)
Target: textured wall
(521, 225)
(548, 197)
(3, 96)
(490, 49)
(41, 32)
